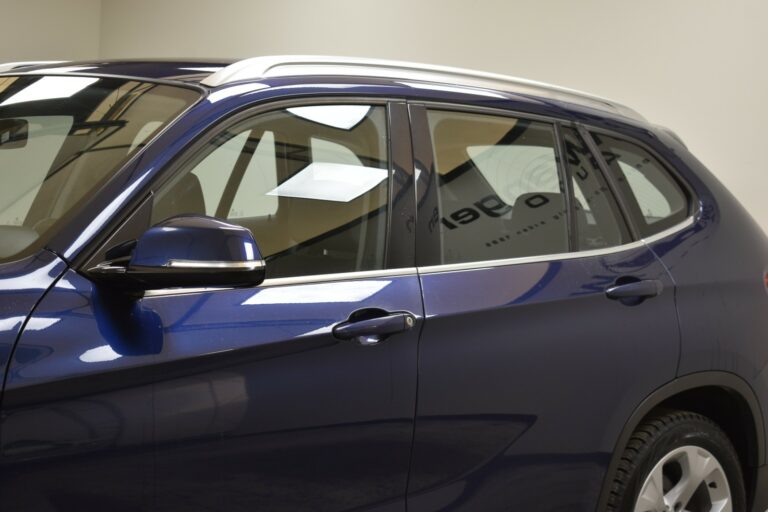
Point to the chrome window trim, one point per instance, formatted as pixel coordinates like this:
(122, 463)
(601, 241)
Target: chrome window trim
(344, 276)
(474, 265)
(432, 269)
(288, 281)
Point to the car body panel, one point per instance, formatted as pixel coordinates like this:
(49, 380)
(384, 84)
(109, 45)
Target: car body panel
(505, 367)
(187, 383)
(22, 284)
(136, 405)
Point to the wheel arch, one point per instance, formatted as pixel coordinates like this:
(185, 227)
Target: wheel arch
(727, 390)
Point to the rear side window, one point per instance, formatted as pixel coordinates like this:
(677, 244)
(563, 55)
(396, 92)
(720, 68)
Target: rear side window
(653, 196)
(500, 192)
(311, 183)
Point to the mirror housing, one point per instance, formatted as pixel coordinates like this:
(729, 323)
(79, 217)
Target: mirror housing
(184, 251)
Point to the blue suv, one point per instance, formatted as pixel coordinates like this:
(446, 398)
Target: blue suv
(332, 284)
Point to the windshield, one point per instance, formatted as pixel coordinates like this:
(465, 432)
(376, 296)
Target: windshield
(61, 137)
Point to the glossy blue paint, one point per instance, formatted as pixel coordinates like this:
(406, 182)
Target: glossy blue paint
(194, 238)
(22, 284)
(526, 374)
(148, 400)
(528, 406)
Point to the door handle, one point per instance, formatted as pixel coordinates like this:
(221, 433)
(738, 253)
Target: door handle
(371, 330)
(634, 292)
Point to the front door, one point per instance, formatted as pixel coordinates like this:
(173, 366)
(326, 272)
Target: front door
(288, 396)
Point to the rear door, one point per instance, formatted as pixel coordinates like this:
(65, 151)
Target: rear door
(547, 321)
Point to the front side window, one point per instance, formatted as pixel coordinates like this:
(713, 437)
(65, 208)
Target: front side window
(500, 192)
(654, 197)
(310, 182)
(61, 137)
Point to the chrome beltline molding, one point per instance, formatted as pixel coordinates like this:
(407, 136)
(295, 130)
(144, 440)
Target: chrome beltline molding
(455, 267)
(432, 269)
(286, 281)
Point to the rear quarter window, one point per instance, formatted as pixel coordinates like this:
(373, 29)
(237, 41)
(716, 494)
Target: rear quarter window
(655, 198)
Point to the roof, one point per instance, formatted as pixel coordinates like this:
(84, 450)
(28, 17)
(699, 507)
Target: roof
(216, 73)
(178, 70)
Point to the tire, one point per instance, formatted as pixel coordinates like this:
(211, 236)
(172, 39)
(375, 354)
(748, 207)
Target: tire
(689, 457)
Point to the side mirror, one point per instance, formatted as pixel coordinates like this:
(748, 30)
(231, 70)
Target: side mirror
(184, 251)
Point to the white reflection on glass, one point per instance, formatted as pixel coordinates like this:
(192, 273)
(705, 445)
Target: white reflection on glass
(50, 87)
(327, 181)
(347, 291)
(104, 215)
(235, 90)
(337, 116)
(99, 355)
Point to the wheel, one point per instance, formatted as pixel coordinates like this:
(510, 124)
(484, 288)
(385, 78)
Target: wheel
(678, 462)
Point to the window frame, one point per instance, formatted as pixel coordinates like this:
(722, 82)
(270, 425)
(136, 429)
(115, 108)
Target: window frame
(398, 245)
(623, 218)
(426, 188)
(624, 195)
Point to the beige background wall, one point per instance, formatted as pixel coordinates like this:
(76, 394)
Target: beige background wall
(49, 29)
(697, 66)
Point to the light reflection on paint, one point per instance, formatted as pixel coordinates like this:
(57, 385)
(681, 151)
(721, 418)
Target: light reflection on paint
(11, 324)
(204, 70)
(322, 330)
(65, 284)
(99, 355)
(349, 291)
(234, 91)
(249, 255)
(35, 323)
(62, 69)
(455, 89)
(39, 279)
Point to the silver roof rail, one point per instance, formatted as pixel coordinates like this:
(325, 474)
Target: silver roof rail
(297, 65)
(10, 66)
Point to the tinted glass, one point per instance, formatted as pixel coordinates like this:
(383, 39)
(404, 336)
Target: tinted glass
(500, 192)
(63, 136)
(311, 183)
(654, 196)
(598, 219)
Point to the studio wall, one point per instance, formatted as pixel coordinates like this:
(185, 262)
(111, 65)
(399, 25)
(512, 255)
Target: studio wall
(49, 29)
(695, 66)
